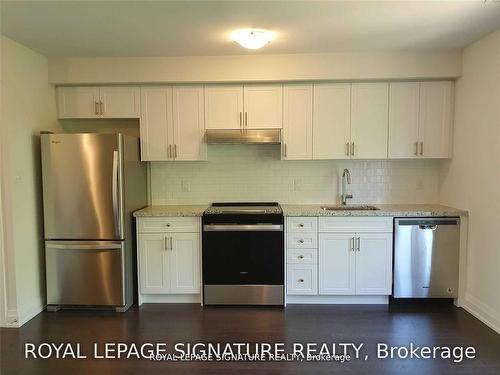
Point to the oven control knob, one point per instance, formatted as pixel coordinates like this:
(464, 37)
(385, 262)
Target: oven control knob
(301, 280)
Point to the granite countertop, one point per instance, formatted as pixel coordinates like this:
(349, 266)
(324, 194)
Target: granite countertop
(172, 210)
(385, 210)
(314, 210)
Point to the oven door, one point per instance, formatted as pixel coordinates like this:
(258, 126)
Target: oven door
(243, 264)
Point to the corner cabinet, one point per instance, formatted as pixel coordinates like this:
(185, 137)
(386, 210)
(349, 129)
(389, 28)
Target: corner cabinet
(169, 256)
(172, 123)
(420, 120)
(112, 102)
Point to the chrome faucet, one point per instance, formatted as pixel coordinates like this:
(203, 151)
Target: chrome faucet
(346, 180)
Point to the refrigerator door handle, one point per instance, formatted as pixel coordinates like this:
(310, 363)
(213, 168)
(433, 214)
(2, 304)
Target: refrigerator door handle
(84, 247)
(116, 216)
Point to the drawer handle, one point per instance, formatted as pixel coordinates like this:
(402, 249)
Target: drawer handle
(168, 225)
(301, 280)
(301, 257)
(301, 225)
(301, 241)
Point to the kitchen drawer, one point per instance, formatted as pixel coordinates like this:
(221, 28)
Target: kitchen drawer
(355, 224)
(302, 256)
(169, 224)
(302, 279)
(302, 224)
(302, 240)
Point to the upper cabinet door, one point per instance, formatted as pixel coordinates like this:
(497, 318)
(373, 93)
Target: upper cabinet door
(223, 107)
(331, 121)
(188, 123)
(435, 120)
(297, 122)
(156, 120)
(369, 120)
(120, 102)
(263, 105)
(403, 119)
(78, 102)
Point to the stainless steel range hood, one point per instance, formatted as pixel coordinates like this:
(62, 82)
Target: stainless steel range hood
(246, 136)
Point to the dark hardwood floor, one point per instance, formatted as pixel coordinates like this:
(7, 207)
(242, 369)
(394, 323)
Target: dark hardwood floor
(368, 324)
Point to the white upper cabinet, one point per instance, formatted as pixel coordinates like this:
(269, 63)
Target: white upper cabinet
(420, 119)
(78, 102)
(297, 122)
(98, 102)
(156, 122)
(120, 102)
(331, 120)
(435, 120)
(369, 120)
(188, 123)
(403, 119)
(223, 107)
(172, 123)
(263, 105)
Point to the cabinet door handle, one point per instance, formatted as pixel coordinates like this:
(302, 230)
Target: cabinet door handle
(284, 150)
(241, 121)
(416, 148)
(102, 107)
(347, 149)
(175, 151)
(421, 148)
(96, 107)
(171, 244)
(352, 149)
(166, 243)
(246, 119)
(170, 151)
(358, 245)
(353, 240)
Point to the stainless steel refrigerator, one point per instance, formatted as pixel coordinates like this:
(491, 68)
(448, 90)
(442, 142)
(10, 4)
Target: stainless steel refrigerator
(91, 185)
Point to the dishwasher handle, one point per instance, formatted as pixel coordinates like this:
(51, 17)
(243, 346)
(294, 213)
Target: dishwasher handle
(424, 223)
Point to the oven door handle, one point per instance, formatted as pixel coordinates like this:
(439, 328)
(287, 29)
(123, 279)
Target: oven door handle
(242, 227)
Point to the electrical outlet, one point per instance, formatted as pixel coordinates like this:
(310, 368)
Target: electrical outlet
(185, 186)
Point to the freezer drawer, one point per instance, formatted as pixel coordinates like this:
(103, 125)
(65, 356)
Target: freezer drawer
(426, 257)
(87, 273)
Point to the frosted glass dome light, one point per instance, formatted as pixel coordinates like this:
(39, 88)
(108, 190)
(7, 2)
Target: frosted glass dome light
(252, 38)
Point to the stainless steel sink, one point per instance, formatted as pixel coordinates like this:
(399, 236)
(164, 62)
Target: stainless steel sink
(350, 208)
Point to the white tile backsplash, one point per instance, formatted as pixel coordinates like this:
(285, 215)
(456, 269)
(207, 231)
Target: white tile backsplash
(256, 173)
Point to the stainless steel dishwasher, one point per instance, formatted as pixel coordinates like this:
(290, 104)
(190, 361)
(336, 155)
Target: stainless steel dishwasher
(426, 257)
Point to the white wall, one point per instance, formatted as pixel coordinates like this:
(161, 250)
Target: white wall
(327, 66)
(471, 180)
(249, 172)
(28, 106)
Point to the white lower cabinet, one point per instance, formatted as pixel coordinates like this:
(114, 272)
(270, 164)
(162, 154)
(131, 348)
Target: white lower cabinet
(336, 264)
(169, 262)
(352, 262)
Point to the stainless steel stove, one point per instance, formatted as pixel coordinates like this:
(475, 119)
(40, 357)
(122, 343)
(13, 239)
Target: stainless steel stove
(243, 254)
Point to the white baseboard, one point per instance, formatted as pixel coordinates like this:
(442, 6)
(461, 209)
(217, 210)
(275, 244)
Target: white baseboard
(26, 315)
(483, 312)
(338, 300)
(11, 320)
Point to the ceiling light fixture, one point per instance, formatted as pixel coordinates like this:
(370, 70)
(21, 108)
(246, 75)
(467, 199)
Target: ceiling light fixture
(252, 38)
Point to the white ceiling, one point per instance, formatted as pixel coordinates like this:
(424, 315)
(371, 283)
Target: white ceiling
(166, 28)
